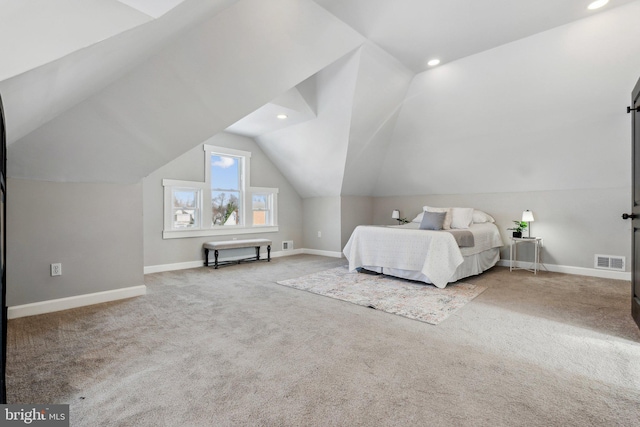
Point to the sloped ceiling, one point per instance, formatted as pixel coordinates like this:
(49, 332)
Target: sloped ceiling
(533, 114)
(155, 8)
(415, 31)
(381, 87)
(342, 149)
(36, 32)
(311, 154)
(192, 88)
(288, 109)
(108, 90)
(548, 114)
(37, 89)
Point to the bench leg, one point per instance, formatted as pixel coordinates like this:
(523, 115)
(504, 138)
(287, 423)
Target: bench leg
(268, 253)
(215, 254)
(257, 253)
(206, 257)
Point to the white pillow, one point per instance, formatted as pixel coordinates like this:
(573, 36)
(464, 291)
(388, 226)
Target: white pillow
(447, 218)
(480, 217)
(461, 217)
(418, 218)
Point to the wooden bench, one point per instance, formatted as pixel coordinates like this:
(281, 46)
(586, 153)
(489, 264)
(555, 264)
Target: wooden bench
(235, 244)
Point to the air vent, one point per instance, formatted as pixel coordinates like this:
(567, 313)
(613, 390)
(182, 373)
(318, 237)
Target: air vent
(287, 245)
(609, 262)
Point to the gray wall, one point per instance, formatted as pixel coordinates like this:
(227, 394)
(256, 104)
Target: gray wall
(575, 224)
(94, 230)
(355, 211)
(322, 214)
(190, 166)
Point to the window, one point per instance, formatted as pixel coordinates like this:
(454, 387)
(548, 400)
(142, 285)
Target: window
(263, 206)
(224, 204)
(226, 190)
(186, 210)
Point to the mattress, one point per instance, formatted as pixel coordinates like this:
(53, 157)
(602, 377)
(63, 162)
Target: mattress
(428, 256)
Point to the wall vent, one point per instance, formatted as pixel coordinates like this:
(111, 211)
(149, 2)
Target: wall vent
(610, 262)
(287, 245)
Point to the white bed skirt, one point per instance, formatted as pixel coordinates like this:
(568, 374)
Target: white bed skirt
(471, 266)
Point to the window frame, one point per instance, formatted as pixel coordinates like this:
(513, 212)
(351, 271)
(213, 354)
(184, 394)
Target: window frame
(244, 165)
(205, 227)
(172, 185)
(197, 208)
(272, 195)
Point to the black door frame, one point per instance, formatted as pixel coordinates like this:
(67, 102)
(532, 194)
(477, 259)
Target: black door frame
(635, 214)
(3, 256)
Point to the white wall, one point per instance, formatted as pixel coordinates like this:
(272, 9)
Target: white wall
(94, 230)
(190, 166)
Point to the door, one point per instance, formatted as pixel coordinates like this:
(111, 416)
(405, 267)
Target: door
(635, 214)
(3, 257)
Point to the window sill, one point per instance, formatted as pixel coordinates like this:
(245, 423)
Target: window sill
(182, 234)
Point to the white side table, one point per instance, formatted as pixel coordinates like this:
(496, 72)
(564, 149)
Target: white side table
(513, 253)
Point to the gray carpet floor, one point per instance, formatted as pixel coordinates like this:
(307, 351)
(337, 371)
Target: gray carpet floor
(231, 347)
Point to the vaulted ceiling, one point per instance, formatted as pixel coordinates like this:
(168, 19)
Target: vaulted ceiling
(108, 91)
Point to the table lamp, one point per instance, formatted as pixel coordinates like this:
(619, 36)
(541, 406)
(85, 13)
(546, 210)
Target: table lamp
(527, 216)
(396, 215)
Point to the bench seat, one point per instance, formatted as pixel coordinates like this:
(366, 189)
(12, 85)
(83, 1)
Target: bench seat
(235, 244)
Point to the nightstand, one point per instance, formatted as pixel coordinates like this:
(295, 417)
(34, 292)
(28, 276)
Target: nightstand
(513, 253)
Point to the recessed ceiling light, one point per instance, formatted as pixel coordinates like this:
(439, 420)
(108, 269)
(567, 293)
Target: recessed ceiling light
(282, 116)
(433, 62)
(597, 4)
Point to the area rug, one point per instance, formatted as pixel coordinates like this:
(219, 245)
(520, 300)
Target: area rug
(414, 300)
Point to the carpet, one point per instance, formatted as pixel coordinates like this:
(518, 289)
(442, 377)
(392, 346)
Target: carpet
(413, 300)
(230, 347)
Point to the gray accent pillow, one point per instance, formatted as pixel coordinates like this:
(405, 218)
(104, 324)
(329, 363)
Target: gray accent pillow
(433, 221)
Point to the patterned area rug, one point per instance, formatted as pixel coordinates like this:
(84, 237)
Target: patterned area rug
(397, 296)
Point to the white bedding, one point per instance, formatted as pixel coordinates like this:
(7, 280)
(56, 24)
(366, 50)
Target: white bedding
(434, 255)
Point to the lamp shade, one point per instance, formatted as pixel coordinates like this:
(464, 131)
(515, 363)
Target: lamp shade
(395, 214)
(527, 216)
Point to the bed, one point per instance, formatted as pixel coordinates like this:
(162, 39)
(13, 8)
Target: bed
(436, 256)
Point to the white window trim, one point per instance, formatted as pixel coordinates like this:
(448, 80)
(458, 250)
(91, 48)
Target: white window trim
(245, 169)
(262, 190)
(205, 187)
(170, 184)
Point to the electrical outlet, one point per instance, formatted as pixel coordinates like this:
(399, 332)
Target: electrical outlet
(319, 233)
(56, 269)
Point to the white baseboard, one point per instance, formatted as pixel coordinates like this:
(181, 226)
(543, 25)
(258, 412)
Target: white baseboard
(134, 291)
(74, 302)
(331, 254)
(172, 267)
(580, 271)
(291, 252)
(200, 263)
